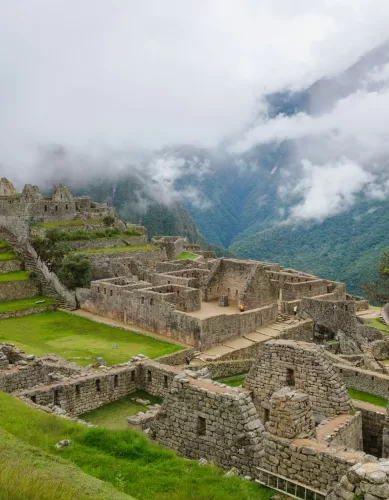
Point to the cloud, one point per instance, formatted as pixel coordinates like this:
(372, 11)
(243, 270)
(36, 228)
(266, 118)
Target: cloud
(90, 88)
(328, 190)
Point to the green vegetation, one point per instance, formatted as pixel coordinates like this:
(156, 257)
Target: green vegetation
(74, 337)
(4, 244)
(28, 473)
(110, 232)
(73, 271)
(377, 323)
(234, 380)
(7, 256)
(119, 249)
(114, 415)
(14, 276)
(66, 223)
(368, 398)
(378, 289)
(186, 255)
(22, 304)
(126, 459)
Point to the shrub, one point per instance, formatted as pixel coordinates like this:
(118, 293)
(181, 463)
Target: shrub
(75, 271)
(108, 220)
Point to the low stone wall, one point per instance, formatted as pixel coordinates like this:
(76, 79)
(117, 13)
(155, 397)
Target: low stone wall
(307, 462)
(177, 358)
(9, 266)
(14, 290)
(156, 379)
(217, 329)
(363, 380)
(41, 231)
(348, 433)
(373, 423)
(27, 312)
(32, 374)
(85, 394)
(225, 368)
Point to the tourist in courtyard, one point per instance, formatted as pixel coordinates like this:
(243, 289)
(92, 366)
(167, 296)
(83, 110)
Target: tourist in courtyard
(187, 359)
(242, 308)
(295, 311)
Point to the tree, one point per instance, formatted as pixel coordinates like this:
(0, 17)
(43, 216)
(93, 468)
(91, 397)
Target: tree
(51, 249)
(75, 271)
(378, 290)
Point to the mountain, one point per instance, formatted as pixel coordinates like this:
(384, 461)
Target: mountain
(130, 199)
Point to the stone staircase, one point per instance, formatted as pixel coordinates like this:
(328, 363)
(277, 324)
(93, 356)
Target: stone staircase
(283, 318)
(36, 267)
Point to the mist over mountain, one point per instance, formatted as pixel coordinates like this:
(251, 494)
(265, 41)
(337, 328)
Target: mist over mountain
(266, 121)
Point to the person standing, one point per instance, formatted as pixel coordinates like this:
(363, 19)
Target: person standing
(295, 308)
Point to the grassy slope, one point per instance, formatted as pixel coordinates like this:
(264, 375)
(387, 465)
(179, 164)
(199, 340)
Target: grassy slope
(125, 458)
(71, 336)
(15, 276)
(114, 415)
(186, 255)
(27, 473)
(377, 324)
(119, 249)
(368, 398)
(22, 304)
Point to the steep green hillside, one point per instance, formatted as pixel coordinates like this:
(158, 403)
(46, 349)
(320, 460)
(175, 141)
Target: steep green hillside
(345, 248)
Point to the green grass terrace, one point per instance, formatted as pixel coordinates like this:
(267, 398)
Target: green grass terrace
(14, 276)
(24, 304)
(186, 255)
(79, 339)
(367, 397)
(125, 460)
(7, 256)
(120, 249)
(67, 223)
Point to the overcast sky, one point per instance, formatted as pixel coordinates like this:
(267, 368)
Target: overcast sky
(96, 76)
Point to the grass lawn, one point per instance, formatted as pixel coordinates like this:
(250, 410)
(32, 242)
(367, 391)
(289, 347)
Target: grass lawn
(233, 381)
(66, 223)
(7, 256)
(126, 459)
(367, 397)
(22, 304)
(119, 249)
(15, 276)
(186, 255)
(376, 323)
(74, 337)
(114, 415)
(27, 473)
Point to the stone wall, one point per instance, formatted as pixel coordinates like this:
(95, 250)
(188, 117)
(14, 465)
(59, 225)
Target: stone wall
(369, 481)
(86, 393)
(9, 266)
(176, 358)
(302, 366)
(307, 461)
(102, 266)
(201, 420)
(27, 312)
(348, 433)
(364, 380)
(13, 290)
(242, 281)
(220, 369)
(373, 422)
